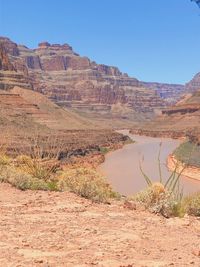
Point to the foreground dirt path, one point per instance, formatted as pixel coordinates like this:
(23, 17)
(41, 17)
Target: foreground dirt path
(59, 229)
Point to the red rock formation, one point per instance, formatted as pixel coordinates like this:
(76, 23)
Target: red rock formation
(9, 46)
(4, 60)
(76, 82)
(9, 77)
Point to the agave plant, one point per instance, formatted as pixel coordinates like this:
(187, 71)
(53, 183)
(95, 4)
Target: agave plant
(172, 184)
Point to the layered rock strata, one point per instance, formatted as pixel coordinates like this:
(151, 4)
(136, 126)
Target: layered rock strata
(76, 82)
(171, 93)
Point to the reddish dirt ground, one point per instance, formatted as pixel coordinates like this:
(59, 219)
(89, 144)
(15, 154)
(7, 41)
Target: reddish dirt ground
(48, 229)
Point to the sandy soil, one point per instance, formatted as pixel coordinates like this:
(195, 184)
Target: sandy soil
(60, 229)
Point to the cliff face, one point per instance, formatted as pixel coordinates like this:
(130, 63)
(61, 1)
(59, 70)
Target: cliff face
(78, 83)
(170, 92)
(11, 75)
(4, 60)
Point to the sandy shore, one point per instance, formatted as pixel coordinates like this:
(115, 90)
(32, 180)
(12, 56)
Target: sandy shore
(190, 171)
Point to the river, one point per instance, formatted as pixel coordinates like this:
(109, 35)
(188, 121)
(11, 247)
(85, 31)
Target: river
(122, 170)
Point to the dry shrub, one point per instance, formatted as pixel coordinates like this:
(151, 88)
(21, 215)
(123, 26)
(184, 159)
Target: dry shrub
(159, 200)
(21, 180)
(27, 173)
(163, 197)
(38, 168)
(88, 183)
(192, 204)
(23, 174)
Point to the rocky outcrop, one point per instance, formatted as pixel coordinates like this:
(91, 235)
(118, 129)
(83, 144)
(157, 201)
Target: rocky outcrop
(9, 76)
(78, 83)
(10, 47)
(5, 64)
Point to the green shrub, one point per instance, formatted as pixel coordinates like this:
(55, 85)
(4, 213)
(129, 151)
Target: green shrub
(87, 183)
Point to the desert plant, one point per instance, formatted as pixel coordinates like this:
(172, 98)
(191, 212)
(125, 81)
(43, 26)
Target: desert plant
(21, 180)
(192, 204)
(36, 167)
(158, 201)
(87, 183)
(163, 197)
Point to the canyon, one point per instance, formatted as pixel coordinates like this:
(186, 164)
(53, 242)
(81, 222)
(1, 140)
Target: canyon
(52, 88)
(92, 90)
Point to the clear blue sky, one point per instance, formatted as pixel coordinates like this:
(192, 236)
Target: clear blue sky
(153, 40)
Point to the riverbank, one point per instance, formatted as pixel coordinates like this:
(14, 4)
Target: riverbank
(122, 167)
(159, 133)
(94, 158)
(188, 171)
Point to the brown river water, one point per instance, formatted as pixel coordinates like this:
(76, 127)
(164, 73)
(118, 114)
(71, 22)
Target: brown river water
(122, 170)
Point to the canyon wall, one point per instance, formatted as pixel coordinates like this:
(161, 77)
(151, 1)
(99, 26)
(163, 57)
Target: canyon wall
(170, 92)
(78, 83)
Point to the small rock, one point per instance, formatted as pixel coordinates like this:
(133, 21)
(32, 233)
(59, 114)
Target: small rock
(39, 261)
(196, 252)
(130, 205)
